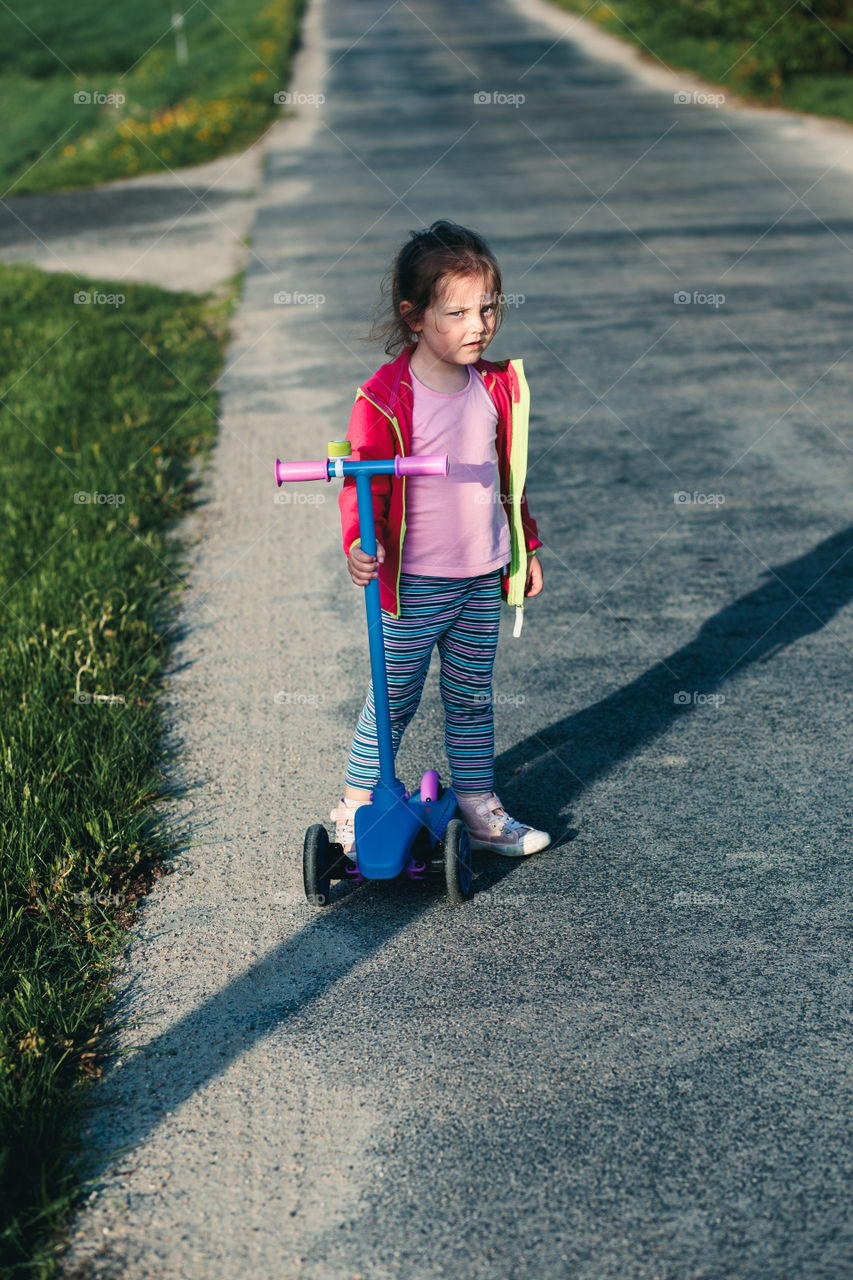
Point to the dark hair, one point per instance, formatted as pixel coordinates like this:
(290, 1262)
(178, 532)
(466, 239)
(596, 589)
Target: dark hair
(443, 249)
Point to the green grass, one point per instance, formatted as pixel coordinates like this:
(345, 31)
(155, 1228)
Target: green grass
(115, 401)
(174, 113)
(787, 67)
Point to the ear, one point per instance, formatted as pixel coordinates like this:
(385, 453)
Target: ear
(405, 307)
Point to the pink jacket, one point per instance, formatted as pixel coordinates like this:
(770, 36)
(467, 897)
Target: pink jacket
(381, 427)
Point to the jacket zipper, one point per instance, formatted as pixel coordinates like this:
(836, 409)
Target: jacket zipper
(517, 464)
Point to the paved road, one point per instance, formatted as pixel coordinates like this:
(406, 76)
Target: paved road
(181, 229)
(627, 1058)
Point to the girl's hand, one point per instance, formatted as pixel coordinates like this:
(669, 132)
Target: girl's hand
(363, 567)
(533, 585)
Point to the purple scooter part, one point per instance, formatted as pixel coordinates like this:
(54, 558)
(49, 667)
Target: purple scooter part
(429, 786)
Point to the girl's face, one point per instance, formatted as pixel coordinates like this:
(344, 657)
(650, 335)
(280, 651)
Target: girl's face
(459, 323)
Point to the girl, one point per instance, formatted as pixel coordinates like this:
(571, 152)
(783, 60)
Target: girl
(447, 549)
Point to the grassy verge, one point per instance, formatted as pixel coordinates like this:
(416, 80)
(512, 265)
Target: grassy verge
(760, 58)
(91, 92)
(105, 410)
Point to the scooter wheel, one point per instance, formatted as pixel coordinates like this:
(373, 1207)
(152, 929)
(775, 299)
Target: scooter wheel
(458, 872)
(315, 865)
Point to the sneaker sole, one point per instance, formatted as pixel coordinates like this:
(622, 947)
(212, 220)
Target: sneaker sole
(511, 850)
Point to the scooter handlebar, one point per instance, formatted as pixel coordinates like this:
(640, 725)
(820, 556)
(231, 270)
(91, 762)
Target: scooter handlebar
(429, 464)
(300, 471)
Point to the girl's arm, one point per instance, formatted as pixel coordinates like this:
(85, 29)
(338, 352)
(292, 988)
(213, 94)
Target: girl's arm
(535, 578)
(531, 532)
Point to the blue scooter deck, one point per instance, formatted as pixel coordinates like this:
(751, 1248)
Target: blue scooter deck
(384, 839)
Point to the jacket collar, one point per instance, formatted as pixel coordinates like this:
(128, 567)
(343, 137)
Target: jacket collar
(391, 382)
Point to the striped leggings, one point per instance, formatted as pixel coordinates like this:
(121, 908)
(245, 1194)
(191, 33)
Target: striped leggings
(461, 616)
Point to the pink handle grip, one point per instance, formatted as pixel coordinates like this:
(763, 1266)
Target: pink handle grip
(300, 470)
(428, 464)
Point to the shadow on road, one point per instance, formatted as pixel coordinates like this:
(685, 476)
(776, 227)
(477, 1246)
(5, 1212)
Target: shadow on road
(798, 599)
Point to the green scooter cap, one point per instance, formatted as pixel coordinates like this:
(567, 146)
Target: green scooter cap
(339, 449)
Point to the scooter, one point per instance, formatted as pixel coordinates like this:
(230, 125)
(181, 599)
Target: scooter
(397, 832)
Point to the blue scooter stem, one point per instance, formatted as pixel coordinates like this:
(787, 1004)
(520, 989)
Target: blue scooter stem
(378, 670)
(387, 828)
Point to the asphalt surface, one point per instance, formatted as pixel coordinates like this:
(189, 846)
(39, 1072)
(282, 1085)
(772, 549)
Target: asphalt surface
(628, 1057)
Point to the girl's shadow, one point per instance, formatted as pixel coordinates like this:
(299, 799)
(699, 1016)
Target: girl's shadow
(797, 598)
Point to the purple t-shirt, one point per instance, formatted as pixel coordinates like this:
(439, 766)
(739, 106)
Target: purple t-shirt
(455, 527)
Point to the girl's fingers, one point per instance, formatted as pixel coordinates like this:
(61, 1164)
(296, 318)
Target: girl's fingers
(362, 574)
(362, 567)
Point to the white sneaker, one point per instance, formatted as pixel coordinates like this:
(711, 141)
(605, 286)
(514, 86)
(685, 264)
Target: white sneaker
(490, 827)
(344, 820)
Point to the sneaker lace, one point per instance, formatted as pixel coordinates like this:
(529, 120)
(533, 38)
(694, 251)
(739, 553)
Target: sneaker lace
(502, 824)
